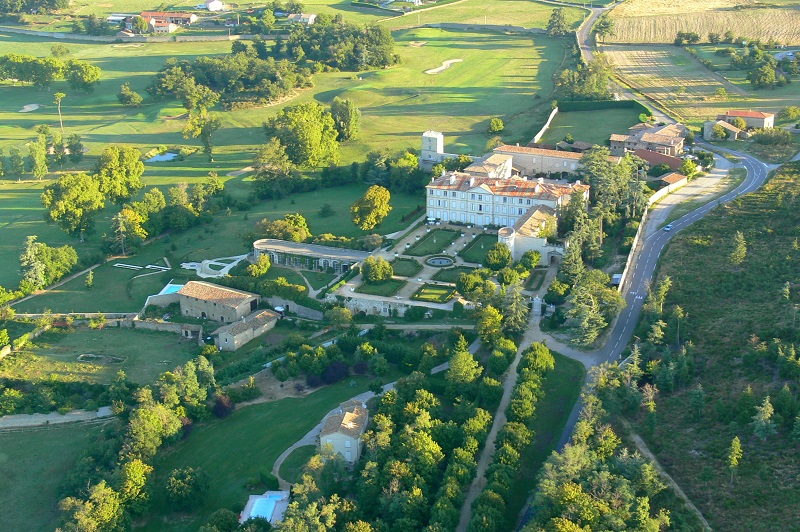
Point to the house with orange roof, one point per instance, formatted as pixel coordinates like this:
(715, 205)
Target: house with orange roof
(754, 119)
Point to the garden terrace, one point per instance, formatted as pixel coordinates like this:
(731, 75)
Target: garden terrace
(385, 288)
(406, 267)
(432, 243)
(434, 293)
(451, 275)
(476, 251)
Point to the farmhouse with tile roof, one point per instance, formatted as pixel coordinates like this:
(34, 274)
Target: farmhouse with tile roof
(343, 430)
(199, 299)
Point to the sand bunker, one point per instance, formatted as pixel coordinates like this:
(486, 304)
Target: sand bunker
(132, 45)
(445, 65)
(104, 359)
(30, 107)
(417, 44)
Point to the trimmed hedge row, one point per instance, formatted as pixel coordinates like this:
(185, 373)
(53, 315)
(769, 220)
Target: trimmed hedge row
(566, 107)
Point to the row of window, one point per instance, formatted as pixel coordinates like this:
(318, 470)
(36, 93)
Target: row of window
(478, 197)
(473, 219)
(476, 208)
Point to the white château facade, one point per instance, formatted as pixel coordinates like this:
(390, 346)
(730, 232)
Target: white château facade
(464, 198)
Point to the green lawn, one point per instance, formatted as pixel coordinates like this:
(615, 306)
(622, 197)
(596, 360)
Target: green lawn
(406, 267)
(476, 251)
(432, 243)
(142, 355)
(561, 388)
(451, 275)
(386, 288)
(319, 280)
(235, 449)
(292, 467)
(32, 466)
(590, 126)
(535, 279)
(434, 293)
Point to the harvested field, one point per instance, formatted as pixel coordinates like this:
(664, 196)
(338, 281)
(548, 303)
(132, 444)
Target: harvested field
(658, 21)
(675, 79)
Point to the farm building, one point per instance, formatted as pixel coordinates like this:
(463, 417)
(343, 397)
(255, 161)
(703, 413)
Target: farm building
(734, 133)
(433, 150)
(181, 19)
(673, 181)
(308, 256)
(527, 235)
(577, 146)
(668, 139)
(199, 299)
(537, 161)
(160, 26)
(754, 119)
(343, 430)
(234, 335)
(302, 18)
(461, 197)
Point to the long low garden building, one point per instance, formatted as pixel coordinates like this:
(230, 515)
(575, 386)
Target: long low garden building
(234, 335)
(308, 256)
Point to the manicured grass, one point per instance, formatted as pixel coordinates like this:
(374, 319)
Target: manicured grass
(234, 449)
(32, 466)
(142, 355)
(386, 288)
(318, 280)
(432, 243)
(491, 12)
(406, 267)
(293, 276)
(590, 126)
(292, 467)
(397, 104)
(475, 252)
(451, 275)
(535, 279)
(434, 293)
(561, 388)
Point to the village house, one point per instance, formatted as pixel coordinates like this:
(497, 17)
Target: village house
(302, 18)
(753, 119)
(199, 299)
(673, 181)
(578, 146)
(307, 256)
(734, 133)
(160, 26)
(343, 430)
(666, 139)
(463, 198)
(653, 158)
(234, 335)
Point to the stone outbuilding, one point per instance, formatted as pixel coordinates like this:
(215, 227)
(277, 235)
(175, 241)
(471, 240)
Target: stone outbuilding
(234, 335)
(199, 299)
(527, 234)
(753, 119)
(307, 256)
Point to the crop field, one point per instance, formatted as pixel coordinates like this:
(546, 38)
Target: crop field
(88, 355)
(489, 12)
(32, 466)
(658, 21)
(590, 126)
(678, 81)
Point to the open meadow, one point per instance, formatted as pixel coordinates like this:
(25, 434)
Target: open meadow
(32, 466)
(658, 21)
(733, 316)
(86, 355)
(687, 89)
(590, 126)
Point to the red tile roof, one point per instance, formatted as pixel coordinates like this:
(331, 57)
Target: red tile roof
(512, 187)
(223, 295)
(672, 178)
(654, 158)
(749, 114)
(505, 148)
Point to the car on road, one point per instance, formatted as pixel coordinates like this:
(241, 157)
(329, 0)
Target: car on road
(668, 227)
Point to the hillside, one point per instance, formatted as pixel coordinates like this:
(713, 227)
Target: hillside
(742, 328)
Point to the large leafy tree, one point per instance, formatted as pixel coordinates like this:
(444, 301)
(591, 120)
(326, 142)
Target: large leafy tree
(557, 25)
(347, 118)
(498, 257)
(464, 369)
(38, 153)
(102, 510)
(308, 132)
(82, 76)
(370, 210)
(127, 227)
(119, 172)
(376, 270)
(203, 124)
(72, 202)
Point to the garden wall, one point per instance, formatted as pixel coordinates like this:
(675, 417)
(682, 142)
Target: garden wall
(134, 38)
(544, 129)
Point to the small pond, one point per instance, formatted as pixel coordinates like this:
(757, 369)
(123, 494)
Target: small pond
(440, 261)
(169, 156)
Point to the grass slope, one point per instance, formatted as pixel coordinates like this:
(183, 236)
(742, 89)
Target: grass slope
(730, 310)
(32, 465)
(237, 448)
(601, 125)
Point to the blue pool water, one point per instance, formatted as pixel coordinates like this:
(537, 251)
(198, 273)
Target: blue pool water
(264, 507)
(171, 288)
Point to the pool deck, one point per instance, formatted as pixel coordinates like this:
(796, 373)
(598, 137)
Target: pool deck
(277, 513)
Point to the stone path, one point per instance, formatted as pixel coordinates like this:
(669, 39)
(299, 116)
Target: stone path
(53, 418)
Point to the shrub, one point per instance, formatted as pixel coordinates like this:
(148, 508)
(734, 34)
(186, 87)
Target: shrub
(187, 488)
(223, 406)
(268, 479)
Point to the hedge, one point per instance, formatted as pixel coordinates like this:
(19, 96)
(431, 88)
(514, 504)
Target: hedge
(596, 105)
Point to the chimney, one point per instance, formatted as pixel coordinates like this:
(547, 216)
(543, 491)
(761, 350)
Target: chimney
(540, 180)
(452, 179)
(517, 143)
(472, 181)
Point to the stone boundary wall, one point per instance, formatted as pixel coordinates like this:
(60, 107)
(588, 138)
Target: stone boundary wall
(546, 126)
(133, 39)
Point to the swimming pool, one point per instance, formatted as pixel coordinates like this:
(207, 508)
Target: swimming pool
(265, 506)
(170, 289)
